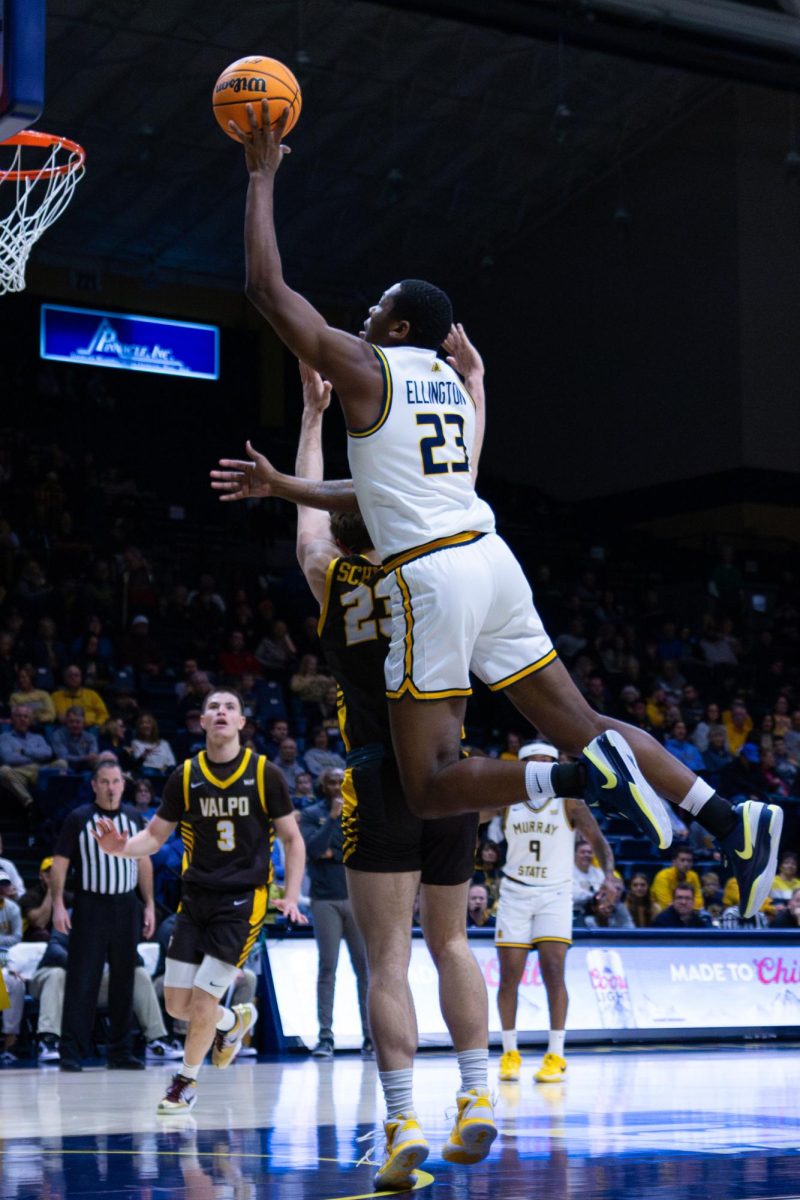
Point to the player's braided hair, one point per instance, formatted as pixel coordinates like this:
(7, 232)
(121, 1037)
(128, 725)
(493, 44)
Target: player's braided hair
(349, 530)
(428, 311)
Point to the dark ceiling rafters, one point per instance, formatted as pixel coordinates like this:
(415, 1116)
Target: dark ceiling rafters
(424, 141)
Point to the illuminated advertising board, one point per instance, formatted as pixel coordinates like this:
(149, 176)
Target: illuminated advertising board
(129, 343)
(635, 989)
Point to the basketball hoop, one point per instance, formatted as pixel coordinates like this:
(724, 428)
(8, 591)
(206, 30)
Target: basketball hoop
(33, 194)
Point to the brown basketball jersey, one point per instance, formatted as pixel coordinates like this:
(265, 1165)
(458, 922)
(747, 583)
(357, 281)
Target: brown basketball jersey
(354, 629)
(226, 813)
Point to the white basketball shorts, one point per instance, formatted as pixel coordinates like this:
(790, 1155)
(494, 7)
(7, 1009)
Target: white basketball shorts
(461, 605)
(527, 914)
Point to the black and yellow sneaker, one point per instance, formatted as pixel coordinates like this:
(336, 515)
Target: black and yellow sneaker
(615, 783)
(752, 851)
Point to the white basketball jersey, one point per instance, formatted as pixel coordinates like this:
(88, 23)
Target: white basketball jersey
(411, 469)
(541, 843)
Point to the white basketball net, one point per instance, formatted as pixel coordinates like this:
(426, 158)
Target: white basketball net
(35, 188)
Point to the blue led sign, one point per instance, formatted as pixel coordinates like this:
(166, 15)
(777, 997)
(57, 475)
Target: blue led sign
(129, 343)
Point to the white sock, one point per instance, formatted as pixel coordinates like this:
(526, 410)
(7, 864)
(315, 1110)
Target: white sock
(555, 1044)
(398, 1091)
(697, 797)
(474, 1068)
(538, 780)
(189, 1072)
(227, 1020)
(509, 1037)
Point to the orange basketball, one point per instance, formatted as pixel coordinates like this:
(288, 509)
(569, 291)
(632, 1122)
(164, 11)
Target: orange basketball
(249, 81)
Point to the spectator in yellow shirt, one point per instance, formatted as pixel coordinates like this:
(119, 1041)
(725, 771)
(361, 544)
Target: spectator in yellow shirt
(36, 699)
(730, 898)
(786, 881)
(738, 724)
(73, 695)
(666, 881)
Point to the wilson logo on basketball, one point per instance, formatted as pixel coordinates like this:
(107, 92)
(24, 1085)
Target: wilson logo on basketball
(241, 83)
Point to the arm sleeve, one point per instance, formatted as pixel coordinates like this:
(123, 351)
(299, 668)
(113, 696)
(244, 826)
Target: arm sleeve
(8, 752)
(67, 845)
(172, 807)
(41, 750)
(317, 838)
(276, 792)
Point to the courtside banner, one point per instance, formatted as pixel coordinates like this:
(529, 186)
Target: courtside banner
(129, 343)
(626, 991)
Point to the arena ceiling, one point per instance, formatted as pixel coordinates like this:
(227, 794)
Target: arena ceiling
(423, 139)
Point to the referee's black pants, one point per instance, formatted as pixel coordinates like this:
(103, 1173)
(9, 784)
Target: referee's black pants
(105, 929)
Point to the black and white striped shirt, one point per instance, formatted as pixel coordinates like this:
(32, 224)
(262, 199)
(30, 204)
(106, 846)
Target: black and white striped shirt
(96, 871)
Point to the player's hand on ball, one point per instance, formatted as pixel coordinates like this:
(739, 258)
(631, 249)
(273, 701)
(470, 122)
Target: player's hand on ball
(263, 149)
(461, 354)
(241, 480)
(108, 837)
(291, 911)
(316, 390)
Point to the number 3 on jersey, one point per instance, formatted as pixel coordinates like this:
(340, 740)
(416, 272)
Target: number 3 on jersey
(226, 835)
(438, 440)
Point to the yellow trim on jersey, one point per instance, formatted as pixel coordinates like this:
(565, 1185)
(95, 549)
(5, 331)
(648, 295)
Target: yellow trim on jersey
(454, 539)
(387, 396)
(257, 916)
(224, 783)
(187, 770)
(341, 717)
(408, 687)
(326, 596)
(544, 661)
(408, 637)
(349, 814)
(260, 771)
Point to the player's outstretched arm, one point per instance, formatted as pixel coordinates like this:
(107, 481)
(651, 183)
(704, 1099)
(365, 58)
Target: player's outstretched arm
(294, 848)
(582, 819)
(315, 545)
(346, 360)
(256, 478)
(148, 841)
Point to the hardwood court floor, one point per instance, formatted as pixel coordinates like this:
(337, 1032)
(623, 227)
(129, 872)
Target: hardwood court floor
(718, 1124)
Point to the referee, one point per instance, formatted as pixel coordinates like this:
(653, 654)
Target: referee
(106, 922)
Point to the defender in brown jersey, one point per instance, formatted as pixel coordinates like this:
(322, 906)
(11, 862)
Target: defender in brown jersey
(389, 853)
(229, 803)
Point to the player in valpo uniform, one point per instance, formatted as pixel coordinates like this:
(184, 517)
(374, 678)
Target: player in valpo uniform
(460, 601)
(229, 803)
(535, 909)
(389, 852)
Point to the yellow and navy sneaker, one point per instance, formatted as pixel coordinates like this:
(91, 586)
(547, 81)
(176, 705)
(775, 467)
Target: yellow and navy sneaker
(180, 1096)
(752, 851)
(474, 1129)
(510, 1064)
(552, 1070)
(406, 1148)
(615, 783)
(227, 1045)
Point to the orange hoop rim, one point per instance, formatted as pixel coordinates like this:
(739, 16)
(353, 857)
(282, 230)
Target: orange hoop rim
(34, 137)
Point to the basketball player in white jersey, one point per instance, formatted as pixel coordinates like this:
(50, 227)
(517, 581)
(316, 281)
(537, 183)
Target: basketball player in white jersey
(535, 909)
(459, 599)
